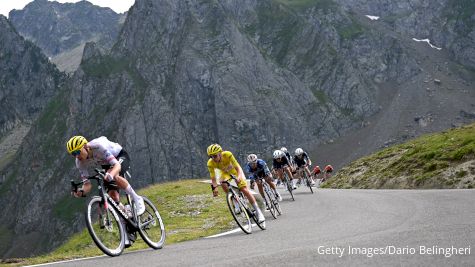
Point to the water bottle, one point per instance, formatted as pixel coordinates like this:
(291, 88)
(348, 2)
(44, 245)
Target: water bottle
(128, 210)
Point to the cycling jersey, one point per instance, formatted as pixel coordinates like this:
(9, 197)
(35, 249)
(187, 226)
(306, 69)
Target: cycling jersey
(328, 168)
(278, 165)
(104, 152)
(289, 157)
(301, 161)
(317, 170)
(261, 169)
(226, 167)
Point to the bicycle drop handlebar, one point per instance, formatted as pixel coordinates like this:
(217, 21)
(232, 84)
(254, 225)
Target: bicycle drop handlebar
(99, 176)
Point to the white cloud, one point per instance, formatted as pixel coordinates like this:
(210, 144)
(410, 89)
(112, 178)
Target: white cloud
(119, 6)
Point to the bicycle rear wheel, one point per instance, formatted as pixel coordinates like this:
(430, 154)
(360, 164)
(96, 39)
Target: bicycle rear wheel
(239, 213)
(105, 227)
(151, 226)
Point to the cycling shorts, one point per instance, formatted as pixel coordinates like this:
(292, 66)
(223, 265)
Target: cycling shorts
(227, 177)
(262, 174)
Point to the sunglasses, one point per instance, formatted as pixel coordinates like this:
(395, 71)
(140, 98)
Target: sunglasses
(213, 156)
(76, 153)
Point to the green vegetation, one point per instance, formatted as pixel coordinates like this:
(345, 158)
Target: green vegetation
(350, 31)
(187, 208)
(305, 4)
(461, 10)
(431, 161)
(7, 159)
(52, 125)
(106, 66)
(321, 96)
(5, 237)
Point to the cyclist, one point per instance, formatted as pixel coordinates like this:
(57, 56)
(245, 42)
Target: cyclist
(281, 164)
(227, 165)
(112, 158)
(258, 168)
(287, 154)
(327, 171)
(302, 161)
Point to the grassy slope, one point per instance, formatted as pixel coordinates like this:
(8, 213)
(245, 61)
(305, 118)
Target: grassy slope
(187, 207)
(442, 160)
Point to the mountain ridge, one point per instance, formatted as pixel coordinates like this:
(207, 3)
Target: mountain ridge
(252, 77)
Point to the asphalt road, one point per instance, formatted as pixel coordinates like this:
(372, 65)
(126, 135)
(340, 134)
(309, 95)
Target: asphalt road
(320, 229)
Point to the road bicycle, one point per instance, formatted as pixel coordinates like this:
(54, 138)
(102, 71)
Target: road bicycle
(241, 209)
(108, 223)
(288, 183)
(270, 198)
(305, 179)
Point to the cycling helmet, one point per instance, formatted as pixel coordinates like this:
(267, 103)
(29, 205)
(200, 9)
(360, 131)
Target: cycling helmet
(252, 158)
(278, 154)
(328, 168)
(214, 149)
(75, 143)
(298, 151)
(284, 149)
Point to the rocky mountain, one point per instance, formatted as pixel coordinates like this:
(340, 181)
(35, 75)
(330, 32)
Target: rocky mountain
(62, 29)
(252, 75)
(28, 81)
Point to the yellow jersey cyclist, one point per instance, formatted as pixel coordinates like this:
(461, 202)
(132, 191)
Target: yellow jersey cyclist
(112, 158)
(257, 168)
(227, 165)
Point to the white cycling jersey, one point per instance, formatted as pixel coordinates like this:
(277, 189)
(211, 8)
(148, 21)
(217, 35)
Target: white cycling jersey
(104, 152)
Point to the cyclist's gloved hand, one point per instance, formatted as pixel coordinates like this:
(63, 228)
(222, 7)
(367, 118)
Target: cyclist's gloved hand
(215, 190)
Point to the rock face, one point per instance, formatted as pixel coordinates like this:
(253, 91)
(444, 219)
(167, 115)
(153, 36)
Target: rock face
(27, 80)
(252, 75)
(61, 30)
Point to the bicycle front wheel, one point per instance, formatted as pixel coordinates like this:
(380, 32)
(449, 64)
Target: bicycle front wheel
(239, 213)
(105, 227)
(269, 199)
(307, 182)
(288, 183)
(151, 226)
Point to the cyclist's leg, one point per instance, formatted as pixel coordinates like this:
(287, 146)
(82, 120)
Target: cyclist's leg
(268, 179)
(224, 186)
(259, 186)
(292, 178)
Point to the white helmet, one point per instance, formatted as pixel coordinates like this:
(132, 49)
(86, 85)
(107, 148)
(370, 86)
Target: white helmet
(252, 158)
(278, 154)
(283, 149)
(298, 151)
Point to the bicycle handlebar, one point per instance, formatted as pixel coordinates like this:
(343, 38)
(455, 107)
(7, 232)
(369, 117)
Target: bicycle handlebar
(100, 175)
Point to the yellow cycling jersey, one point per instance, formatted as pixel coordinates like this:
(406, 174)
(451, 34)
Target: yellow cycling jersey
(227, 165)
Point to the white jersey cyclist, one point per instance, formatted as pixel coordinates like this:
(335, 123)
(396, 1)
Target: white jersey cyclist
(104, 152)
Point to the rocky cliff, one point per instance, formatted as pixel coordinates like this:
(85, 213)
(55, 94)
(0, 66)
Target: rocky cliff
(252, 75)
(62, 29)
(27, 80)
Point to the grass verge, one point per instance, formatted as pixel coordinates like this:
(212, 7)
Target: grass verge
(187, 208)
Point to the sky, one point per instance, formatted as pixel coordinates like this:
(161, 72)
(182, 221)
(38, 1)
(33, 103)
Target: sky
(119, 6)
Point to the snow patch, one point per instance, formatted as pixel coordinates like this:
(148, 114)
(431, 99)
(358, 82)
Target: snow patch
(427, 41)
(372, 17)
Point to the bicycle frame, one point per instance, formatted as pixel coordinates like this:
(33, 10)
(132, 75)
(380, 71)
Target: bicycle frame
(107, 200)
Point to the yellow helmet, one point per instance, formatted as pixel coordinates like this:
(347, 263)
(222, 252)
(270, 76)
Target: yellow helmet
(214, 149)
(75, 143)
